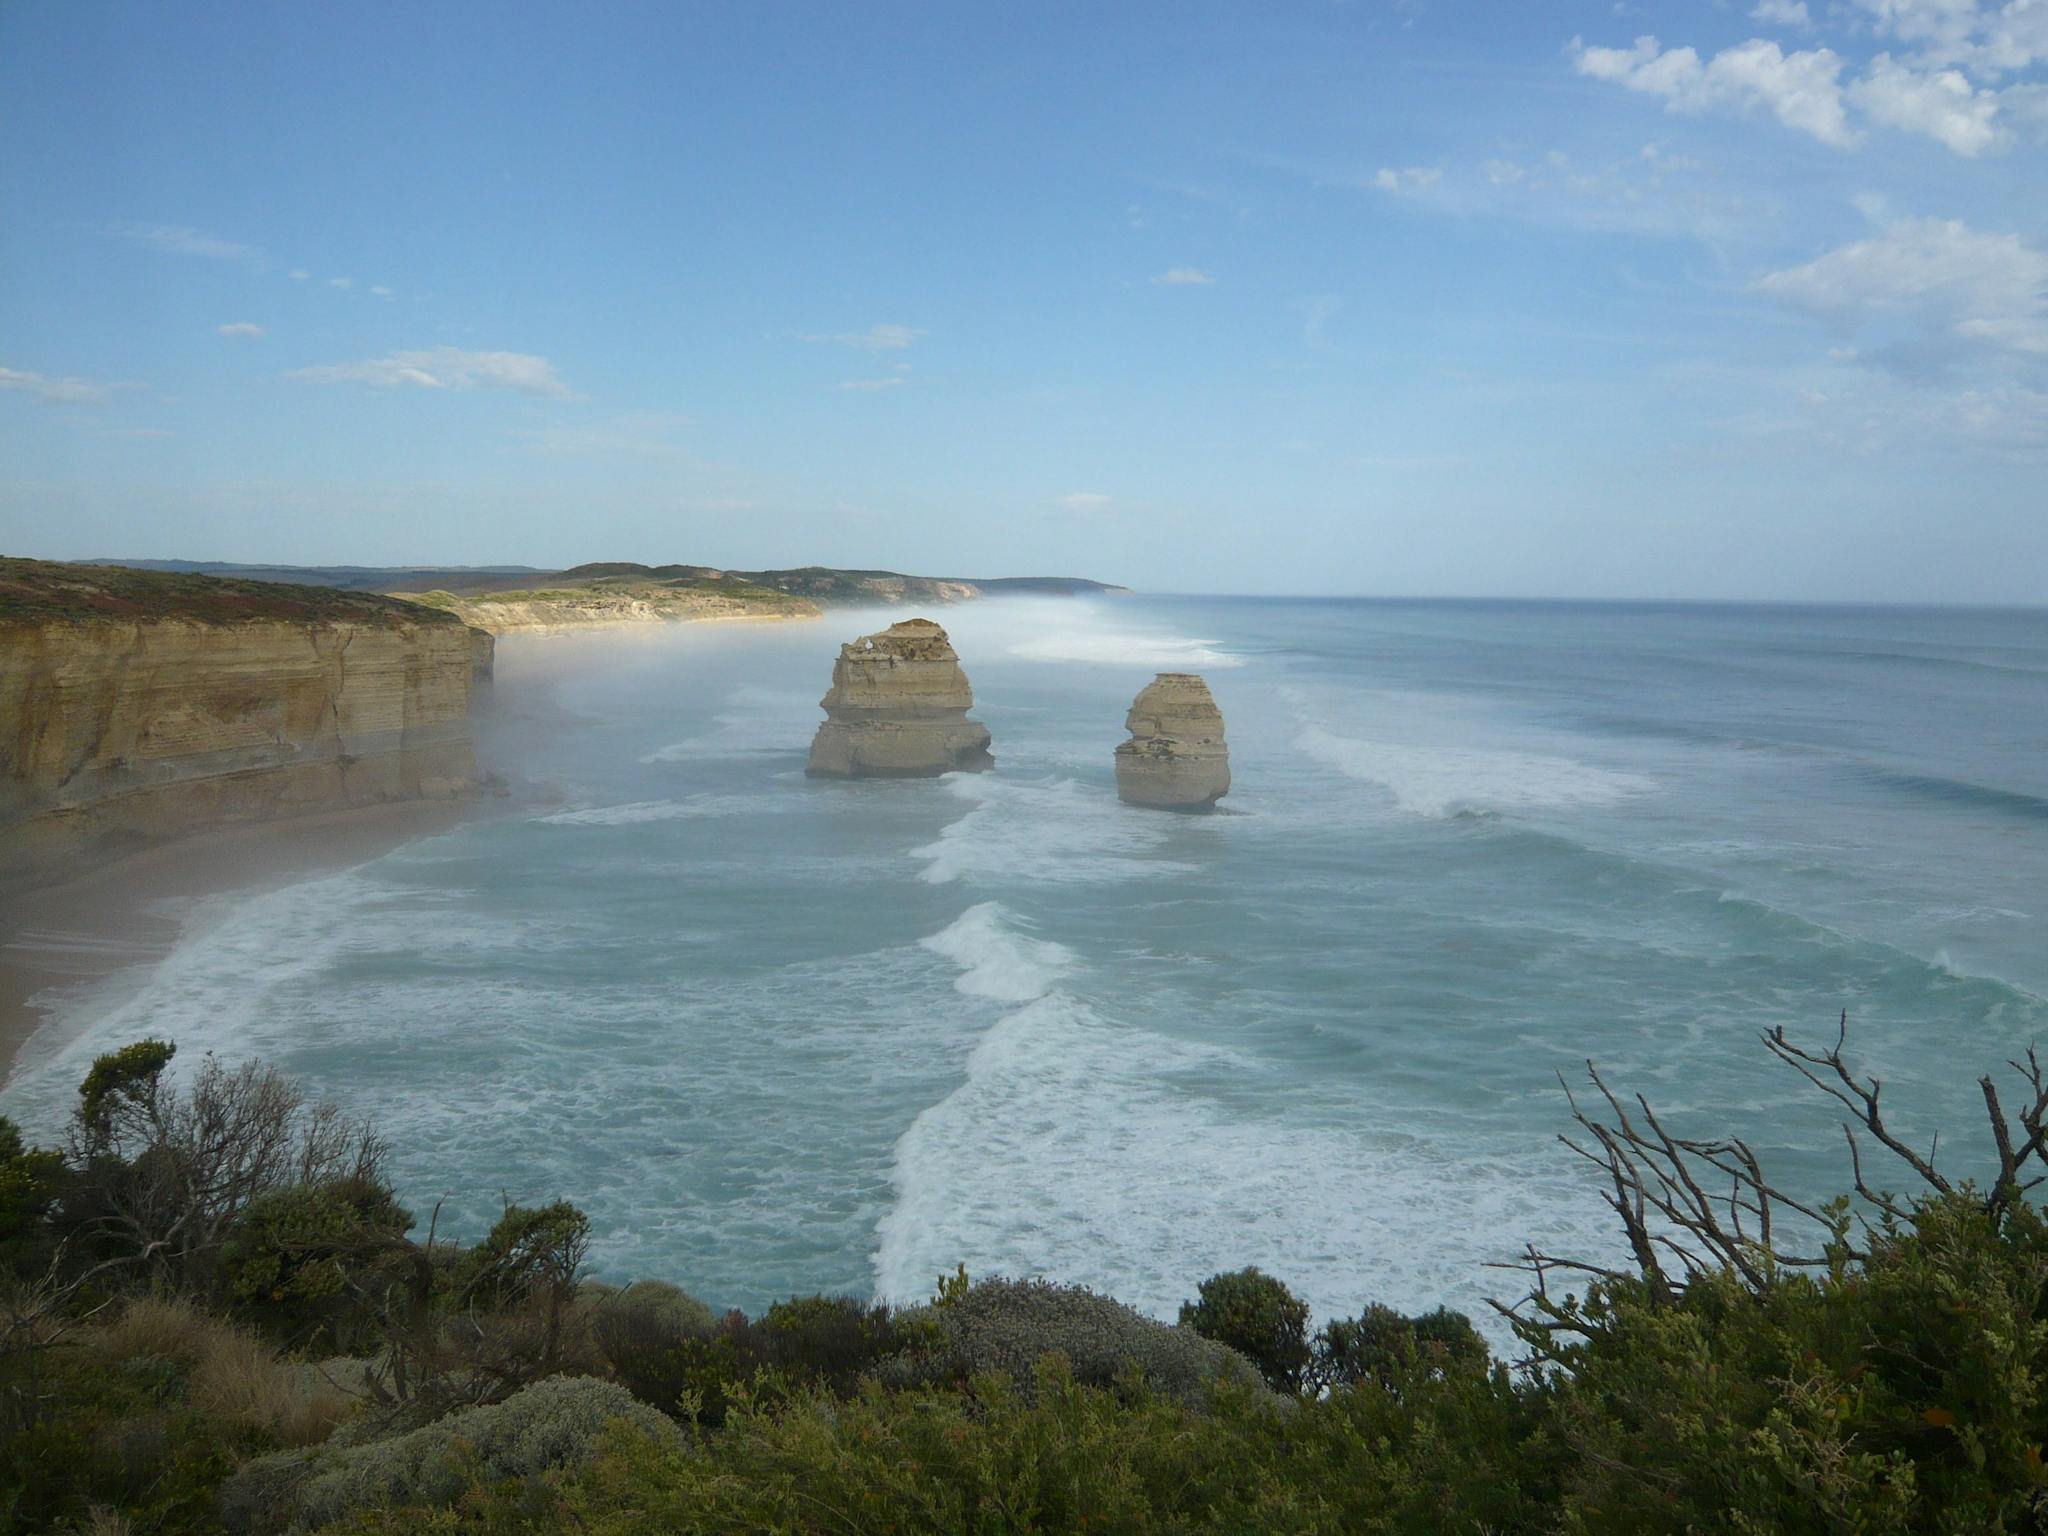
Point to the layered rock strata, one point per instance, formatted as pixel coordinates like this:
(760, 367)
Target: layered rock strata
(897, 708)
(134, 709)
(1176, 758)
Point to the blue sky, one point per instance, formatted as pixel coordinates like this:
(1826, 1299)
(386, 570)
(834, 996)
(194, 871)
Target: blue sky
(1714, 300)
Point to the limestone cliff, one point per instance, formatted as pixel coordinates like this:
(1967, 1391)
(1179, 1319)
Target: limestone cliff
(1176, 758)
(897, 708)
(135, 706)
(607, 601)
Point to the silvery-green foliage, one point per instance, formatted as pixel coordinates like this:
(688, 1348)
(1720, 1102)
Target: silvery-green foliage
(553, 1423)
(1007, 1326)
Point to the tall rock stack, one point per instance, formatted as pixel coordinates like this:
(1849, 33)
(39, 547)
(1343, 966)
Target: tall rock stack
(1176, 759)
(897, 708)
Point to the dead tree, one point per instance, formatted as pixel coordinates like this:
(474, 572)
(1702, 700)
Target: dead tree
(1692, 1207)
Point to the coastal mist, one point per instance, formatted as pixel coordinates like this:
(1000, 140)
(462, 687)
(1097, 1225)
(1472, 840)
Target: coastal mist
(778, 1034)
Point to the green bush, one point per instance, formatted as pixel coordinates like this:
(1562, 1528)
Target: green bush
(1385, 1348)
(1008, 1326)
(310, 1262)
(1260, 1318)
(552, 1424)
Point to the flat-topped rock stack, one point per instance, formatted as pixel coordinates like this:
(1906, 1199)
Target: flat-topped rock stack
(1176, 759)
(897, 708)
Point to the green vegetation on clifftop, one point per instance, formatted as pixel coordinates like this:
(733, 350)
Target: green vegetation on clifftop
(217, 1319)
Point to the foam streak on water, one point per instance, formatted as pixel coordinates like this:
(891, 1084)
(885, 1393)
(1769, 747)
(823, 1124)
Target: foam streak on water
(781, 1035)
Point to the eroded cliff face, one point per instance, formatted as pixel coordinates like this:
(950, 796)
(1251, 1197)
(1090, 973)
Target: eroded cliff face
(1176, 759)
(612, 605)
(897, 708)
(121, 726)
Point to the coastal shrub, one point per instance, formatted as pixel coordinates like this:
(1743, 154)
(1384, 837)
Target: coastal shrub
(1006, 1327)
(30, 1183)
(159, 1172)
(1260, 1318)
(1389, 1350)
(1059, 1457)
(552, 1424)
(671, 1353)
(311, 1262)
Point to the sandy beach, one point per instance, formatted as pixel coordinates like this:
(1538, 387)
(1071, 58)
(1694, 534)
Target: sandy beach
(111, 924)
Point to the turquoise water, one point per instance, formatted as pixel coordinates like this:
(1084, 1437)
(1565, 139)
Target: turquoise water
(777, 1035)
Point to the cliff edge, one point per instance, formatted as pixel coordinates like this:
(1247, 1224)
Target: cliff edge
(897, 708)
(139, 705)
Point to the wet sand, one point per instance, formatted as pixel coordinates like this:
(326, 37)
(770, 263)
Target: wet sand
(106, 929)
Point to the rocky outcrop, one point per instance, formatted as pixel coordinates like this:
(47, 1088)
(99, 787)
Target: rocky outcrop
(1176, 758)
(134, 707)
(897, 708)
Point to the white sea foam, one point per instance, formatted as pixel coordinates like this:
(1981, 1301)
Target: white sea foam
(995, 960)
(1090, 1152)
(1053, 830)
(1106, 645)
(1443, 780)
(661, 810)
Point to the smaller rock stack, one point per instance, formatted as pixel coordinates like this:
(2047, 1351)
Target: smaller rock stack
(897, 709)
(1176, 759)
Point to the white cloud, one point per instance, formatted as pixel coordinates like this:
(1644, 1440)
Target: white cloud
(876, 338)
(445, 368)
(1184, 277)
(343, 283)
(1990, 39)
(247, 328)
(1801, 89)
(888, 383)
(1502, 173)
(1084, 501)
(66, 391)
(298, 274)
(1783, 13)
(1414, 178)
(181, 240)
(1940, 103)
(1986, 288)
(380, 291)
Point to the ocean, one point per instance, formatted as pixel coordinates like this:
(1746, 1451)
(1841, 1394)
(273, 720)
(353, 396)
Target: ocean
(780, 1036)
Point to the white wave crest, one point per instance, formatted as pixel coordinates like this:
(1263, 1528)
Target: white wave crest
(1057, 831)
(996, 962)
(1106, 1155)
(1443, 780)
(659, 810)
(1101, 645)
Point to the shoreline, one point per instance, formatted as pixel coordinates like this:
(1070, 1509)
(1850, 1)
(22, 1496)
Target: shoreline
(105, 930)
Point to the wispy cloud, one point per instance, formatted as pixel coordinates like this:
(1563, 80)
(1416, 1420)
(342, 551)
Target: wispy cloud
(1317, 313)
(444, 368)
(1413, 178)
(182, 240)
(1084, 501)
(1783, 13)
(1184, 277)
(343, 283)
(635, 434)
(890, 382)
(65, 391)
(247, 328)
(298, 274)
(876, 338)
(380, 290)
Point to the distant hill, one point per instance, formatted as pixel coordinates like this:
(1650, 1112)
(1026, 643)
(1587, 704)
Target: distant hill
(824, 585)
